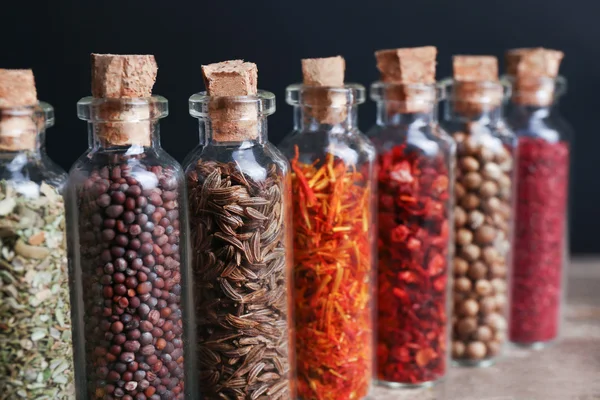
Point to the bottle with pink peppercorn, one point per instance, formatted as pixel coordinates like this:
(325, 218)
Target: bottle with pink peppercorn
(541, 248)
(128, 233)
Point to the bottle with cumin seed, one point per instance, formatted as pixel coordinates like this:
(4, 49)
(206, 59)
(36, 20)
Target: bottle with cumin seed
(239, 202)
(128, 243)
(333, 199)
(36, 351)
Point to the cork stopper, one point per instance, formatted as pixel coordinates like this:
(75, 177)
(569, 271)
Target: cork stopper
(409, 72)
(476, 85)
(17, 88)
(321, 76)
(116, 77)
(534, 72)
(18, 125)
(407, 65)
(233, 120)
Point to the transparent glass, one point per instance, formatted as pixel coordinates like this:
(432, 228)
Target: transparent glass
(541, 250)
(416, 161)
(483, 218)
(35, 330)
(239, 198)
(128, 247)
(333, 199)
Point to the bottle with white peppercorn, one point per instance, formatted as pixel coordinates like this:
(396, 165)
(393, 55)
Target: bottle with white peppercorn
(128, 233)
(483, 214)
(36, 351)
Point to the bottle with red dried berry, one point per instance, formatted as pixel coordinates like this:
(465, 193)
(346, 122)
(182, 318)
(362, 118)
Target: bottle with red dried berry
(483, 213)
(415, 166)
(128, 234)
(541, 224)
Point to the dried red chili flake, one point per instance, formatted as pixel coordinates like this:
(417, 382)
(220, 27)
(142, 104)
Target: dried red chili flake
(413, 266)
(541, 201)
(332, 268)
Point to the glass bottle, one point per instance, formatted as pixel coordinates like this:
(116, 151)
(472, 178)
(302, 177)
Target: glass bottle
(541, 225)
(36, 353)
(416, 161)
(483, 218)
(128, 239)
(333, 199)
(239, 199)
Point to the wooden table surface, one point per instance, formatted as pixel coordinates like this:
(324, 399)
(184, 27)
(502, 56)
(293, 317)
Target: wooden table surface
(568, 369)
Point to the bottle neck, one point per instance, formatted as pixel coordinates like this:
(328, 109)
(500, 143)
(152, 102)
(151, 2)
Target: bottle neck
(21, 133)
(132, 137)
(530, 111)
(484, 114)
(240, 133)
(123, 124)
(390, 114)
(335, 119)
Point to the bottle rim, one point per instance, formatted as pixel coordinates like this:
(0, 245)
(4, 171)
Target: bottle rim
(199, 103)
(354, 93)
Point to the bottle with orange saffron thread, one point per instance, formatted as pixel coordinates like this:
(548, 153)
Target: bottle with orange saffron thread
(333, 199)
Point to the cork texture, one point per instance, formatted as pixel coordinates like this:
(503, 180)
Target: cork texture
(475, 68)
(321, 76)
(405, 70)
(323, 72)
(17, 89)
(533, 71)
(123, 77)
(535, 62)
(407, 65)
(476, 87)
(231, 78)
(232, 120)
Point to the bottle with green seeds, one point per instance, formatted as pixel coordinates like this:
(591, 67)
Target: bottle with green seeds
(36, 357)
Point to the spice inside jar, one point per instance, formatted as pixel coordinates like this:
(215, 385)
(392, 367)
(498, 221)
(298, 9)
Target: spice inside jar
(483, 206)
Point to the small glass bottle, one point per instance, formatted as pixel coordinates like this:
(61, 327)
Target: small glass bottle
(483, 215)
(128, 234)
(333, 201)
(239, 199)
(416, 161)
(36, 352)
(541, 249)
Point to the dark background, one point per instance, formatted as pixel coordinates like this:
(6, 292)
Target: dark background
(56, 38)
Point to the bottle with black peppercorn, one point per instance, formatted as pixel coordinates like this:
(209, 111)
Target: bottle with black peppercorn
(128, 234)
(483, 213)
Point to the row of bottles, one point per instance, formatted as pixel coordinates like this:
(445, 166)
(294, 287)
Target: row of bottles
(245, 275)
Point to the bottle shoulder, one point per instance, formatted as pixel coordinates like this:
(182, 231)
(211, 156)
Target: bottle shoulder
(30, 170)
(551, 128)
(428, 138)
(253, 159)
(354, 147)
